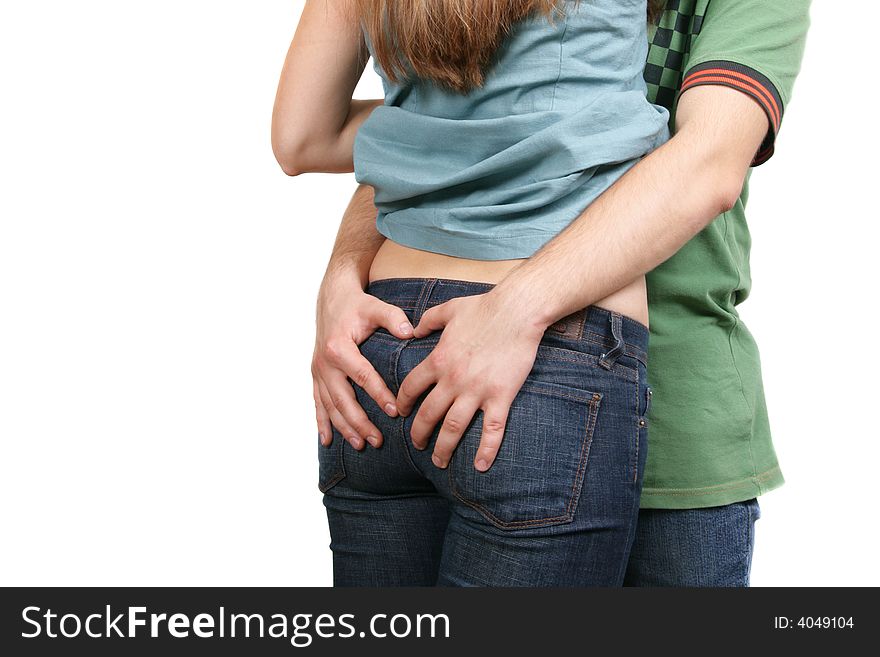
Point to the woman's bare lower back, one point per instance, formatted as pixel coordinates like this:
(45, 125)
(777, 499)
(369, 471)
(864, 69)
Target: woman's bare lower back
(394, 260)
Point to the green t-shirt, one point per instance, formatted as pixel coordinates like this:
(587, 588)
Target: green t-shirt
(709, 442)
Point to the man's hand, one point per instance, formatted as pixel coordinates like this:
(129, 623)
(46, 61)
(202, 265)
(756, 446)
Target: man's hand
(346, 316)
(484, 355)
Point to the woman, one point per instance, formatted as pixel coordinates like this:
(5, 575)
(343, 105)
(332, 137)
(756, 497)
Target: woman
(501, 122)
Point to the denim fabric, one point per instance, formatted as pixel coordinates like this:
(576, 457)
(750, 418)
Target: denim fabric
(559, 505)
(694, 547)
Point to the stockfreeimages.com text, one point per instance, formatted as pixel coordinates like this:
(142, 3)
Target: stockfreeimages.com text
(300, 629)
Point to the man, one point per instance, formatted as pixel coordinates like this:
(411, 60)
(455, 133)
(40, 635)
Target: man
(725, 69)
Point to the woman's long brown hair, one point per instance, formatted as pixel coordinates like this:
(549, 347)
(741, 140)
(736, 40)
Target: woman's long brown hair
(655, 8)
(451, 42)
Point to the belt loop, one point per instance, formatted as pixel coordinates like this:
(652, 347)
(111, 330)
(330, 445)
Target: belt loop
(422, 302)
(582, 316)
(608, 359)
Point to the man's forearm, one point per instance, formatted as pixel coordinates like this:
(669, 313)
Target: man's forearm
(649, 214)
(357, 240)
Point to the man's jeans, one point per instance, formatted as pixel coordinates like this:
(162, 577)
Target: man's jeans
(694, 547)
(559, 505)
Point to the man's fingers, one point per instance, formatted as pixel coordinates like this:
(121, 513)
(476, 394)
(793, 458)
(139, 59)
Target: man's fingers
(391, 318)
(362, 372)
(325, 429)
(430, 414)
(344, 400)
(420, 378)
(434, 319)
(454, 425)
(342, 426)
(494, 420)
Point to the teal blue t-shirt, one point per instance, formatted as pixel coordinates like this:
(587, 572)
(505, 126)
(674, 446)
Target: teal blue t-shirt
(496, 173)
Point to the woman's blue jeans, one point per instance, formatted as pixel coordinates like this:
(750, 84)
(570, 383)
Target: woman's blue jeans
(557, 508)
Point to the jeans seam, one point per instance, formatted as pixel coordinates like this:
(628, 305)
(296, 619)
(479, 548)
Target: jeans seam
(634, 511)
(409, 458)
(639, 427)
(424, 296)
(385, 337)
(631, 536)
(750, 537)
(340, 469)
(748, 545)
(401, 421)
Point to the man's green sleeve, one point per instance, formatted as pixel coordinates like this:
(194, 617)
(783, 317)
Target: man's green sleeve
(754, 46)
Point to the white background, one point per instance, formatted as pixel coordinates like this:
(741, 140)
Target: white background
(158, 276)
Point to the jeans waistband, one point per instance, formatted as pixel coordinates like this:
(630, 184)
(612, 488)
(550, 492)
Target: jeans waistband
(591, 324)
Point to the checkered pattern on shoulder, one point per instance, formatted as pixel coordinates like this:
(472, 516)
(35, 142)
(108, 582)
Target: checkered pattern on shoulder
(670, 45)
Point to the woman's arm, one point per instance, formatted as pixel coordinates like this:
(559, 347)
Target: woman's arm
(315, 119)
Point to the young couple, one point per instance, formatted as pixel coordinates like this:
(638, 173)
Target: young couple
(481, 366)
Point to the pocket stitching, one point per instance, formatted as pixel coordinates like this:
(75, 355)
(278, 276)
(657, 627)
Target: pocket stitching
(340, 469)
(593, 405)
(382, 336)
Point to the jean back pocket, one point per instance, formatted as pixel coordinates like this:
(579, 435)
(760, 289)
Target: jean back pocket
(537, 477)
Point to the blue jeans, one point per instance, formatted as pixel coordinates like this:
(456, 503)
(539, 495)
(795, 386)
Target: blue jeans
(694, 547)
(559, 505)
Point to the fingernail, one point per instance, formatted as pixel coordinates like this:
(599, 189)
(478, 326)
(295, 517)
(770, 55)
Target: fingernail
(356, 442)
(373, 441)
(322, 438)
(482, 465)
(436, 460)
(406, 328)
(390, 409)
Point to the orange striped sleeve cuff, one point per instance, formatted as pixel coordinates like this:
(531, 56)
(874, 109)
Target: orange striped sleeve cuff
(749, 81)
